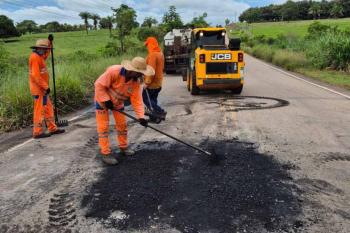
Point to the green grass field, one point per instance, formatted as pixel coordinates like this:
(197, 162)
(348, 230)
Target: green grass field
(79, 62)
(64, 42)
(299, 28)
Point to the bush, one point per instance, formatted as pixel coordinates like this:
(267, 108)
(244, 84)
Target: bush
(264, 52)
(145, 32)
(330, 50)
(290, 60)
(4, 60)
(316, 29)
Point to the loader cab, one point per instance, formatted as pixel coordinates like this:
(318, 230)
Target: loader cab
(215, 62)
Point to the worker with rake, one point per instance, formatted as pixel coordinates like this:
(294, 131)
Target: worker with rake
(118, 84)
(40, 90)
(153, 83)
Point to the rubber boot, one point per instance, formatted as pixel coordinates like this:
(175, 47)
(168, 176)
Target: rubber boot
(109, 159)
(58, 131)
(127, 152)
(43, 135)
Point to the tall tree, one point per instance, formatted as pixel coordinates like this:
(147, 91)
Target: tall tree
(315, 10)
(227, 22)
(95, 18)
(290, 11)
(199, 22)
(107, 23)
(125, 17)
(172, 19)
(7, 28)
(337, 10)
(27, 26)
(149, 22)
(85, 16)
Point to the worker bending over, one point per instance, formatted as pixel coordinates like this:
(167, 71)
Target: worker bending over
(118, 84)
(40, 90)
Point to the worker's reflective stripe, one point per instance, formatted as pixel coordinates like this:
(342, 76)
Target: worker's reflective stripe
(122, 132)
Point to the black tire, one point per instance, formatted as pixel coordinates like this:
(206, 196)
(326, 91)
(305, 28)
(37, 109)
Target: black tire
(237, 90)
(194, 89)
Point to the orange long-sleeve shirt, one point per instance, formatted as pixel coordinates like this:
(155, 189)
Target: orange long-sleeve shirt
(111, 85)
(38, 75)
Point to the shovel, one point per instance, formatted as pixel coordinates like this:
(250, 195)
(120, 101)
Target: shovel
(59, 123)
(168, 135)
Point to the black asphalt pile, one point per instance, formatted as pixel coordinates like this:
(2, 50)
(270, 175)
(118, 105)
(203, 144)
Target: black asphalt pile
(245, 191)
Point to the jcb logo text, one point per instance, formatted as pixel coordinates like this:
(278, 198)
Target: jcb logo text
(221, 56)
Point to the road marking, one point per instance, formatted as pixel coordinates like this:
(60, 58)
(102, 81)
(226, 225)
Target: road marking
(301, 79)
(20, 145)
(30, 140)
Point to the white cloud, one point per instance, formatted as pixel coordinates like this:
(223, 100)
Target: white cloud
(67, 11)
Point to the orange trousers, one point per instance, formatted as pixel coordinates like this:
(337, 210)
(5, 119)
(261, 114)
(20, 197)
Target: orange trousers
(43, 112)
(102, 119)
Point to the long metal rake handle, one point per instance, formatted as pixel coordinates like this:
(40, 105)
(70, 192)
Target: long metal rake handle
(168, 135)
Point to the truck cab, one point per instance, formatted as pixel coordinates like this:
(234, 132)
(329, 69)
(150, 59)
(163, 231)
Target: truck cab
(215, 62)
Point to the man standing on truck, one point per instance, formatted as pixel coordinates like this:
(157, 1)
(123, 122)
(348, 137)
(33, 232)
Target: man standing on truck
(40, 90)
(153, 83)
(118, 84)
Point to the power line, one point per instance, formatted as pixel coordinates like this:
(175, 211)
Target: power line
(37, 9)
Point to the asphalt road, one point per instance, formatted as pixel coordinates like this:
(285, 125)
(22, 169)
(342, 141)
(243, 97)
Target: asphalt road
(283, 165)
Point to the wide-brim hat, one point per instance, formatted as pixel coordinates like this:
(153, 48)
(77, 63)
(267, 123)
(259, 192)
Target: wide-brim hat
(138, 64)
(42, 43)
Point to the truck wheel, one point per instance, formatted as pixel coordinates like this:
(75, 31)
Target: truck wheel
(237, 90)
(194, 89)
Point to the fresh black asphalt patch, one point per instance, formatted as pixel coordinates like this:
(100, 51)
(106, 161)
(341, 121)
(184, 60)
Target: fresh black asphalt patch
(170, 185)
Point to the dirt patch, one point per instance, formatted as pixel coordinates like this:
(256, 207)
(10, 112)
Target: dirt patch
(176, 187)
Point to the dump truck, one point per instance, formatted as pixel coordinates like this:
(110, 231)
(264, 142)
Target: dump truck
(176, 50)
(215, 62)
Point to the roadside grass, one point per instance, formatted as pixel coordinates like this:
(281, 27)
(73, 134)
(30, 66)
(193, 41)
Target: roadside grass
(78, 63)
(299, 28)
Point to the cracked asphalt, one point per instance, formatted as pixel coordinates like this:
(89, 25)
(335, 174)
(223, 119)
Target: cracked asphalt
(284, 166)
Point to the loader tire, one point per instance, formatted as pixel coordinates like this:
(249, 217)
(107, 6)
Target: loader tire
(194, 89)
(237, 90)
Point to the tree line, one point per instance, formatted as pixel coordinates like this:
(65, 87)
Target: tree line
(123, 19)
(299, 10)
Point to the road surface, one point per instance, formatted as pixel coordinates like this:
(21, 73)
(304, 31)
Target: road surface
(282, 165)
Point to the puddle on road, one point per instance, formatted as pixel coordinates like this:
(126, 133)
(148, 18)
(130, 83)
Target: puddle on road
(176, 187)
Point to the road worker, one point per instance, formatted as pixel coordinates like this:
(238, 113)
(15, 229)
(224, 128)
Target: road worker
(153, 83)
(40, 90)
(119, 83)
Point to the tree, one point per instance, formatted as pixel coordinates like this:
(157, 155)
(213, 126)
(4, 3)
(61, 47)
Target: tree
(7, 28)
(107, 23)
(337, 10)
(315, 10)
(172, 19)
(290, 11)
(85, 16)
(53, 26)
(149, 22)
(199, 22)
(227, 22)
(95, 18)
(125, 17)
(27, 26)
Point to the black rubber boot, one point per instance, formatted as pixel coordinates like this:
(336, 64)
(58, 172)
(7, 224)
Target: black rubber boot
(43, 135)
(109, 160)
(58, 131)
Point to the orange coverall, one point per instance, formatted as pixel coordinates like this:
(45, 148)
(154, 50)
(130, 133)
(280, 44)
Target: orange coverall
(111, 85)
(39, 83)
(155, 59)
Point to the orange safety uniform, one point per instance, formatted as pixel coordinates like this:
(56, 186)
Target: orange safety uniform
(39, 83)
(111, 85)
(155, 59)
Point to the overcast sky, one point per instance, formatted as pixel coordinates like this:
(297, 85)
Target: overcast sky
(67, 11)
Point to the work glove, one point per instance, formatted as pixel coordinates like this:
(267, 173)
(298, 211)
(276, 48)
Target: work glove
(109, 104)
(47, 92)
(143, 122)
